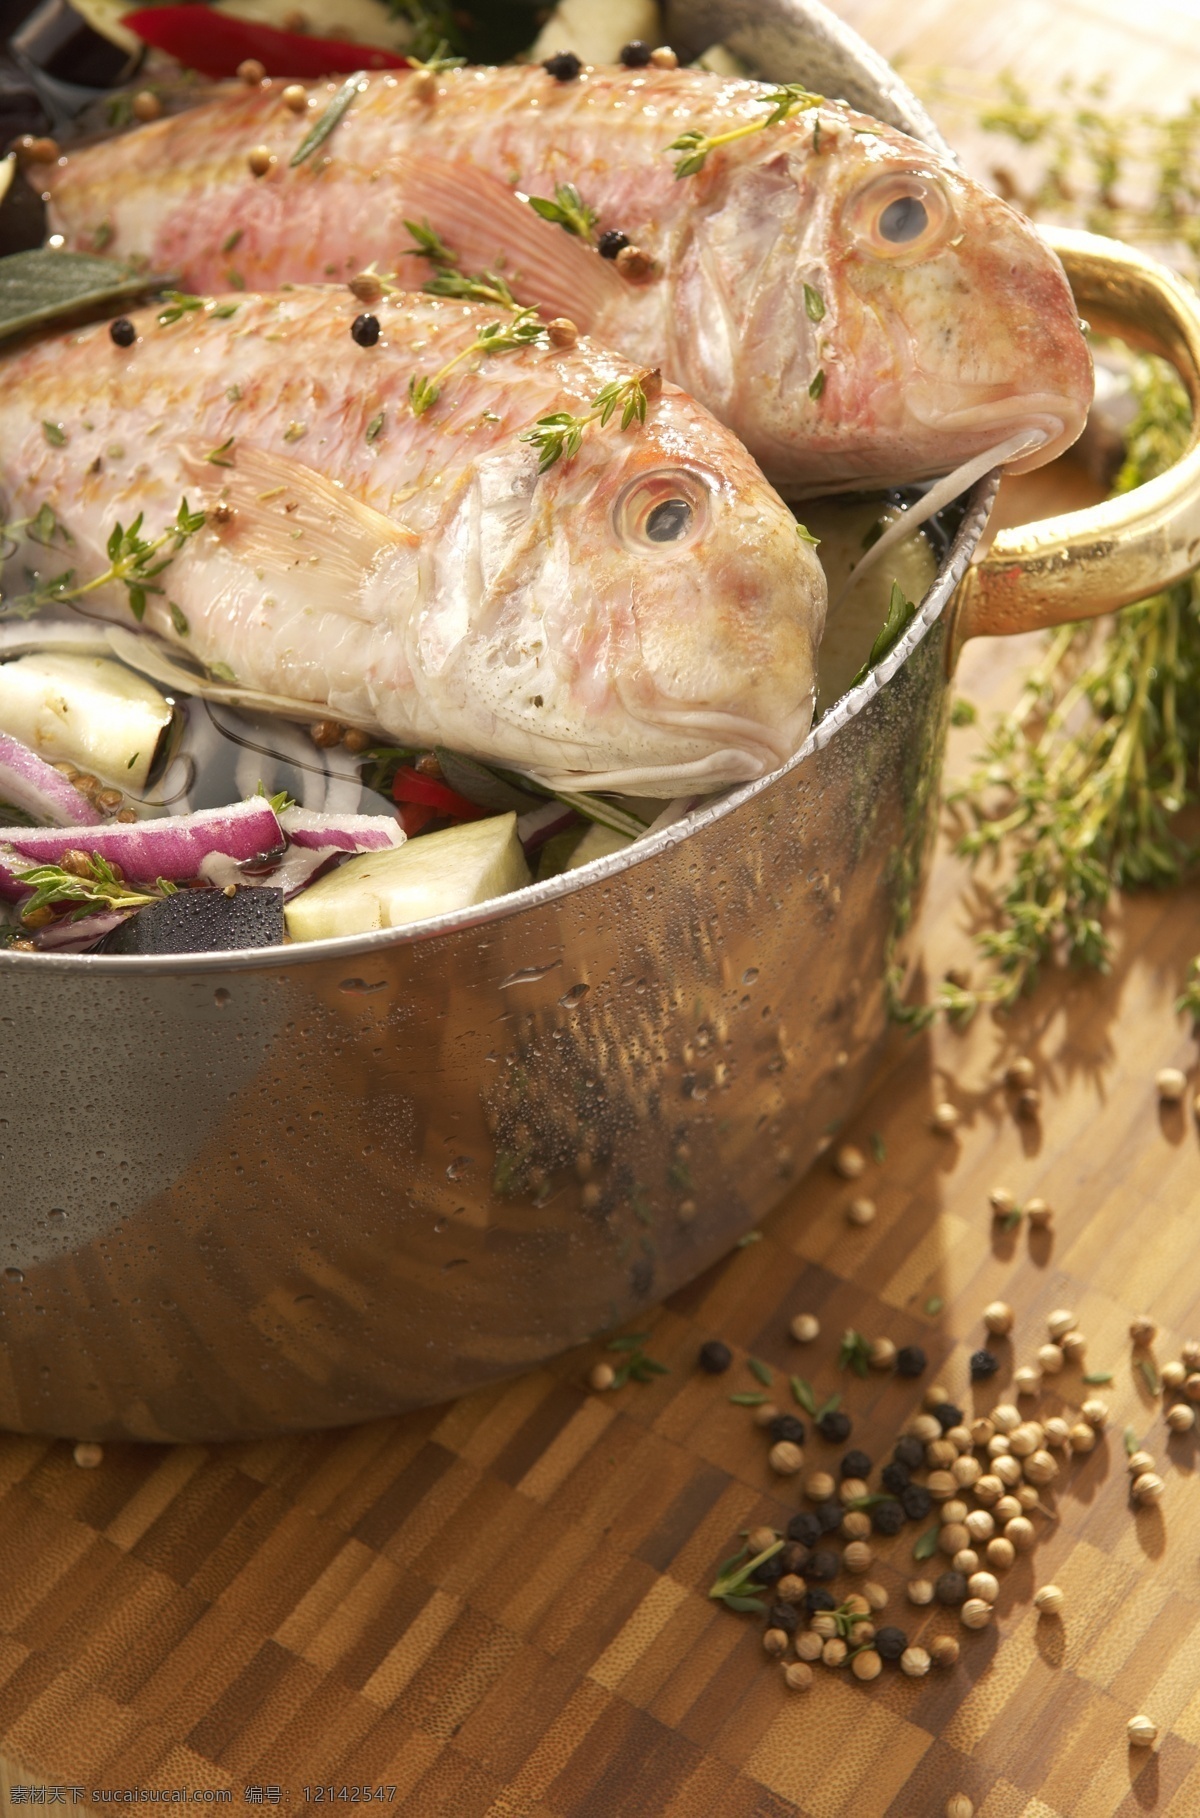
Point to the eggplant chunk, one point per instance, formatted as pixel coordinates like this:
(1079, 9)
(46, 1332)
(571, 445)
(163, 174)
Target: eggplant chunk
(432, 875)
(201, 921)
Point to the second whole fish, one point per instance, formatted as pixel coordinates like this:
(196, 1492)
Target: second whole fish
(382, 541)
(840, 295)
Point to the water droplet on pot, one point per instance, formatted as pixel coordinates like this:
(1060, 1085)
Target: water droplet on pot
(221, 997)
(14, 1275)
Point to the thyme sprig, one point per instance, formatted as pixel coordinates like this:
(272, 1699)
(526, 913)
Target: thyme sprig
(735, 1585)
(637, 1366)
(568, 209)
(522, 330)
(447, 279)
(782, 103)
(558, 437)
(97, 885)
(854, 1353)
(131, 564)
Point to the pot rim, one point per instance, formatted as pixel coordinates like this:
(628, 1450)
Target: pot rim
(599, 871)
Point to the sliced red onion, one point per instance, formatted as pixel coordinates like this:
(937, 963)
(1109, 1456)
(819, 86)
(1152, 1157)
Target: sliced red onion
(298, 867)
(345, 832)
(174, 847)
(541, 824)
(28, 782)
(77, 937)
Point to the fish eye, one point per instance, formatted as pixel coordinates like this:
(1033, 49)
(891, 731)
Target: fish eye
(903, 219)
(902, 215)
(660, 511)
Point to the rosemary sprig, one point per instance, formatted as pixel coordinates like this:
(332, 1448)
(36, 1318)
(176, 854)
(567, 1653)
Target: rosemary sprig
(97, 885)
(131, 564)
(735, 1586)
(782, 103)
(494, 337)
(568, 209)
(558, 437)
(328, 119)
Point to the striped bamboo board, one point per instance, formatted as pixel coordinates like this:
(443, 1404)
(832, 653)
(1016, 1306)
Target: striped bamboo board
(498, 1608)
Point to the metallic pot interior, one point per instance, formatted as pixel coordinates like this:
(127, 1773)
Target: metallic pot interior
(259, 1192)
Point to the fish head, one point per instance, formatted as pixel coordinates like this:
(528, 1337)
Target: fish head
(899, 322)
(644, 614)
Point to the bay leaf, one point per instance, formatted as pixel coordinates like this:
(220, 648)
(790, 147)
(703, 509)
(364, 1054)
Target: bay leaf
(43, 286)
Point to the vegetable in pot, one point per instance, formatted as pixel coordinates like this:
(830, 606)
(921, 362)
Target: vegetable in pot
(85, 710)
(433, 875)
(201, 921)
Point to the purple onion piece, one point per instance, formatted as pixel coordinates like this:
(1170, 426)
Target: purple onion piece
(541, 824)
(173, 847)
(293, 870)
(345, 832)
(77, 937)
(28, 782)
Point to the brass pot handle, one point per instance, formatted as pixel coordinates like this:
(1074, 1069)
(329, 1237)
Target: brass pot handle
(1085, 563)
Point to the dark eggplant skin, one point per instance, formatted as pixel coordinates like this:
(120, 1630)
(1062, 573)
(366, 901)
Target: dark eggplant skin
(201, 921)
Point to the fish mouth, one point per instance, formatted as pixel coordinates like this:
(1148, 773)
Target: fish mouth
(744, 750)
(1056, 417)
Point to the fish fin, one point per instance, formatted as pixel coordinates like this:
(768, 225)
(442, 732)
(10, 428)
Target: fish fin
(287, 517)
(151, 657)
(490, 227)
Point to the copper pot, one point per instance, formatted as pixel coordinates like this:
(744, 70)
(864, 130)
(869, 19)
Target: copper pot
(285, 1189)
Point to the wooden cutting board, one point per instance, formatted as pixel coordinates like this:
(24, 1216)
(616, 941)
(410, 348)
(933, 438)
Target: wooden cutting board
(498, 1608)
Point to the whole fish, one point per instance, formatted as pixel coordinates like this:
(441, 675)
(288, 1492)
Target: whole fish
(618, 603)
(837, 293)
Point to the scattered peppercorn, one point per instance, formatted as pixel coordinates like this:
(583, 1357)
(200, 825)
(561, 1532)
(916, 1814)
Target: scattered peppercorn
(824, 1564)
(848, 1161)
(789, 1427)
(251, 72)
(916, 1501)
(88, 1455)
(771, 1570)
(914, 1663)
(1020, 1073)
(716, 1358)
(816, 1600)
(611, 243)
(562, 332)
(943, 1650)
(365, 330)
(295, 98)
(947, 1415)
(664, 58)
(910, 1360)
(122, 332)
(601, 1376)
(775, 1641)
(829, 1514)
(1142, 1731)
(951, 1589)
(983, 1365)
(881, 1354)
(797, 1676)
(783, 1616)
(835, 1426)
(785, 1458)
(910, 1452)
(564, 66)
(887, 1517)
(890, 1642)
(146, 105)
(855, 1464)
(804, 1328)
(998, 1317)
(635, 54)
(37, 151)
(804, 1528)
(260, 159)
(895, 1477)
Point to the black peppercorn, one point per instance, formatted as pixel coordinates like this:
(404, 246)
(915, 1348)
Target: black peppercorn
(770, 1569)
(635, 55)
(916, 1501)
(887, 1517)
(783, 1616)
(794, 1557)
(122, 331)
(951, 1589)
(910, 1360)
(835, 1426)
(804, 1528)
(855, 1464)
(983, 1364)
(816, 1599)
(829, 1515)
(786, 1426)
(909, 1451)
(947, 1415)
(825, 1564)
(895, 1477)
(365, 330)
(890, 1642)
(715, 1357)
(611, 243)
(564, 66)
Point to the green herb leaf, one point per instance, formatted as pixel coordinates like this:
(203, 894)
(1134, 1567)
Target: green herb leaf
(963, 712)
(178, 619)
(1150, 1376)
(568, 210)
(814, 304)
(854, 1353)
(816, 384)
(631, 1341)
(900, 614)
(1096, 1377)
(55, 434)
(926, 1545)
(803, 1394)
(42, 286)
(374, 427)
(219, 456)
(178, 303)
(762, 1371)
(331, 117)
(751, 1399)
(1131, 1442)
(934, 1305)
(231, 240)
(696, 146)
(828, 1407)
(746, 1605)
(878, 1147)
(429, 245)
(750, 1237)
(806, 535)
(97, 887)
(221, 312)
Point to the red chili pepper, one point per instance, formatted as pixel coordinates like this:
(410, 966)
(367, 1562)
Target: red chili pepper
(409, 785)
(215, 44)
(414, 818)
